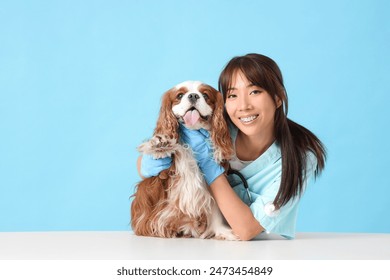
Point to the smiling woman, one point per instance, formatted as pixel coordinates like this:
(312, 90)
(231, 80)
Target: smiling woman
(276, 155)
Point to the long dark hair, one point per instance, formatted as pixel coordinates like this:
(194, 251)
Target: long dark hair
(295, 140)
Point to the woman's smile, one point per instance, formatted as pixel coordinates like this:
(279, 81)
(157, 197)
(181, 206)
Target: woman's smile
(248, 119)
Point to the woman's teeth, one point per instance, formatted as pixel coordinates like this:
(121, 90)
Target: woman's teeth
(248, 119)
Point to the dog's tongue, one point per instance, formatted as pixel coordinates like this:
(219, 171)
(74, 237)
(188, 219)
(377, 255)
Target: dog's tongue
(191, 117)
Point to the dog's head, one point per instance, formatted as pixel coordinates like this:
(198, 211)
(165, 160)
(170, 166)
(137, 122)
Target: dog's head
(196, 105)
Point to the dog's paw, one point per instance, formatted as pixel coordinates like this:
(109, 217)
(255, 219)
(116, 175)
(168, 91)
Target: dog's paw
(159, 146)
(225, 234)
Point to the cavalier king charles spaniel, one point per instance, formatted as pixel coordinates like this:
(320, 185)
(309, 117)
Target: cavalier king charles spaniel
(177, 202)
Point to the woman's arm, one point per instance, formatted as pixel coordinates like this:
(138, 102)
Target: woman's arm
(237, 213)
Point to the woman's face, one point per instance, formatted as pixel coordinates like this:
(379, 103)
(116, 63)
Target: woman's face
(250, 107)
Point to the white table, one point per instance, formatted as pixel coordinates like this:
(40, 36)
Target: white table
(126, 246)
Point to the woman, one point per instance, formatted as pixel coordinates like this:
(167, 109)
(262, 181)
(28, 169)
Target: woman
(275, 155)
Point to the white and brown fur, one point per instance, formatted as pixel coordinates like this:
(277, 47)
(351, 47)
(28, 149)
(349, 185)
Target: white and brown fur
(177, 202)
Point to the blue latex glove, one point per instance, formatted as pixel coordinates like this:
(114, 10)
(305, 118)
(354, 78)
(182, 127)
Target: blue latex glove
(152, 167)
(199, 141)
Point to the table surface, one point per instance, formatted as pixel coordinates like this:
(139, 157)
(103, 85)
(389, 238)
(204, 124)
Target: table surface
(124, 245)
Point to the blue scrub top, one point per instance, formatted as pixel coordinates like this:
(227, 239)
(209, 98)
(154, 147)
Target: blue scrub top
(264, 176)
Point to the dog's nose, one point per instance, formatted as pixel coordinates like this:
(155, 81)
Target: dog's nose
(193, 97)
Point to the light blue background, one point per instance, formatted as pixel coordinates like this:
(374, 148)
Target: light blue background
(80, 88)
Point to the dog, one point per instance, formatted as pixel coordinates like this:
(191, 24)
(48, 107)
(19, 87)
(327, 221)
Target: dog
(177, 202)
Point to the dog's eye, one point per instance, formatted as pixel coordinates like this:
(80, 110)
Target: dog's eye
(205, 96)
(179, 96)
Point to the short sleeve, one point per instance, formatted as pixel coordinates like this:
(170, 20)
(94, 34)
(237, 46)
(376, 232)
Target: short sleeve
(263, 177)
(281, 221)
(278, 221)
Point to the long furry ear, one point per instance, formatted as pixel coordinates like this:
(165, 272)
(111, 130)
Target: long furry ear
(167, 123)
(219, 131)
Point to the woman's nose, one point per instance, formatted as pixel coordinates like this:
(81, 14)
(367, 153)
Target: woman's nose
(243, 103)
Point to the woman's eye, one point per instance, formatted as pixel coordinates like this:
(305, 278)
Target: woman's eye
(231, 96)
(179, 96)
(256, 91)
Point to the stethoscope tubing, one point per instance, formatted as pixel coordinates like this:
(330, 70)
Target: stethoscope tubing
(244, 182)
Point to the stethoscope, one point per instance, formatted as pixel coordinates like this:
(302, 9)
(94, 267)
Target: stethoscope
(244, 182)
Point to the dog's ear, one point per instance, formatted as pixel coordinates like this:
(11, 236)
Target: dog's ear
(220, 135)
(167, 123)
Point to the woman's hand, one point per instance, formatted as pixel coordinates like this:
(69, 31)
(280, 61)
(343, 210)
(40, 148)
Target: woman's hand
(152, 167)
(199, 141)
